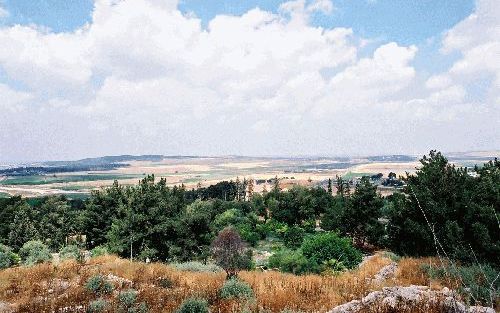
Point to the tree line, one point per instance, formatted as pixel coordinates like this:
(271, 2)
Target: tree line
(441, 209)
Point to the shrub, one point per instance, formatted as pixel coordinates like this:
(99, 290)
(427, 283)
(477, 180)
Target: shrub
(229, 251)
(98, 251)
(193, 305)
(33, 252)
(293, 237)
(140, 308)
(165, 282)
(127, 298)
(332, 266)
(327, 246)
(99, 285)
(235, 288)
(126, 301)
(148, 254)
(195, 266)
(7, 257)
(292, 261)
(479, 283)
(97, 306)
(70, 252)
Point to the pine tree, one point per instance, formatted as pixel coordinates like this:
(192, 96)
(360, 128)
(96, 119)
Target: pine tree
(243, 189)
(276, 186)
(329, 185)
(340, 186)
(23, 228)
(250, 189)
(238, 189)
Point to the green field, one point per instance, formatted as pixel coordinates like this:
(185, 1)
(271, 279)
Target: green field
(52, 179)
(351, 175)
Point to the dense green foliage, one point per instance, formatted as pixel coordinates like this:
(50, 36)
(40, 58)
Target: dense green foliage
(444, 210)
(357, 215)
(98, 251)
(327, 246)
(7, 257)
(293, 236)
(70, 252)
(292, 261)
(321, 252)
(33, 252)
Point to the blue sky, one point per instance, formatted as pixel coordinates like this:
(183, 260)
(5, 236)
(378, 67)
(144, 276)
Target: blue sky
(404, 21)
(302, 77)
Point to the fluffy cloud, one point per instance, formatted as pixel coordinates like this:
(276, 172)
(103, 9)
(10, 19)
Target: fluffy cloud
(144, 78)
(12, 100)
(477, 39)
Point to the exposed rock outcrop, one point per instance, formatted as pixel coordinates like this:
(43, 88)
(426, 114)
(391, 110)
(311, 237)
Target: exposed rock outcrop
(410, 296)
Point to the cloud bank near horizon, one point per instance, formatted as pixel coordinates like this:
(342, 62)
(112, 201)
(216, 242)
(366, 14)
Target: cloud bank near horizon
(142, 77)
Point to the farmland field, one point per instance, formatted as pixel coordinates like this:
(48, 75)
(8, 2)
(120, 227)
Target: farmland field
(40, 179)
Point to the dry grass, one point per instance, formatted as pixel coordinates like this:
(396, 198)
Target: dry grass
(41, 288)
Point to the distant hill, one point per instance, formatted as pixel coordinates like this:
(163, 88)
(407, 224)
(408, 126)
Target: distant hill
(84, 165)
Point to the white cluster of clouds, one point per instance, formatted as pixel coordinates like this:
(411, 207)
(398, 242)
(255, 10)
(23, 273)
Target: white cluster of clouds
(142, 77)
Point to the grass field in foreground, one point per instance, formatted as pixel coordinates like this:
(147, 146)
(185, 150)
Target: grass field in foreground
(273, 291)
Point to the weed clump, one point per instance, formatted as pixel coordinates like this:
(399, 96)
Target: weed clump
(195, 266)
(127, 302)
(99, 285)
(70, 252)
(236, 289)
(97, 306)
(193, 305)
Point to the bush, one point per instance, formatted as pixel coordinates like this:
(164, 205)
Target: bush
(140, 308)
(193, 305)
(70, 252)
(197, 267)
(97, 306)
(479, 282)
(292, 261)
(165, 282)
(98, 251)
(99, 285)
(327, 246)
(33, 252)
(236, 289)
(148, 254)
(293, 237)
(7, 257)
(127, 298)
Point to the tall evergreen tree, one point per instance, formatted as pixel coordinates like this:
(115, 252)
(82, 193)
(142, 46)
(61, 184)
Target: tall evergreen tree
(23, 227)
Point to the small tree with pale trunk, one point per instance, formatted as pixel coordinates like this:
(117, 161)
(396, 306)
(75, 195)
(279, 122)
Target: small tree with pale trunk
(228, 250)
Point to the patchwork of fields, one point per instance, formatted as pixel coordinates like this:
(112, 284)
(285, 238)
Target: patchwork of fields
(196, 171)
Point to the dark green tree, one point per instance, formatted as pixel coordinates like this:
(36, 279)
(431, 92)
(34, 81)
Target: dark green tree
(23, 227)
(446, 211)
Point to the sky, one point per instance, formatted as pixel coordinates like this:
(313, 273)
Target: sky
(85, 78)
